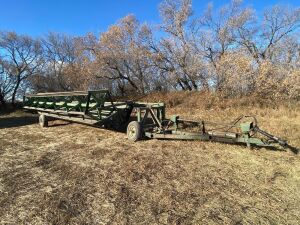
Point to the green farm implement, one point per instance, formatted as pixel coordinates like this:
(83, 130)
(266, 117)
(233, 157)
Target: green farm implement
(142, 120)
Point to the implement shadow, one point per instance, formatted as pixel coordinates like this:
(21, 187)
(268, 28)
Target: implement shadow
(272, 148)
(9, 122)
(293, 149)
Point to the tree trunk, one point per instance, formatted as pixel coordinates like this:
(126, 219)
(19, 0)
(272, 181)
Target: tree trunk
(194, 84)
(2, 101)
(186, 83)
(132, 84)
(121, 89)
(13, 97)
(180, 84)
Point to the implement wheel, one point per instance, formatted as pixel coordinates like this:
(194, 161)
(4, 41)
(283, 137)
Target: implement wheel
(43, 121)
(134, 131)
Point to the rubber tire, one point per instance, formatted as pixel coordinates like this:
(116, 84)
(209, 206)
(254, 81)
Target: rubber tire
(43, 121)
(134, 131)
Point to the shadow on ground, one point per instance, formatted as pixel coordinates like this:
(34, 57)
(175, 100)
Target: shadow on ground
(8, 122)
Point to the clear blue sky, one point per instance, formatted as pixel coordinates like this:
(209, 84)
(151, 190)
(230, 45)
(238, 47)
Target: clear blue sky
(77, 17)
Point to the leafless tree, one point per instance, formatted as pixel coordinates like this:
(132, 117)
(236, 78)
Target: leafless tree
(21, 59)
(260, 40)
(122, 55)
(176, 54)
(6, 84)
(217, 35)
(66, 64)
(229, 49)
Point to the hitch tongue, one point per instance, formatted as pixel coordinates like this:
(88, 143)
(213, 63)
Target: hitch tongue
(281, 142)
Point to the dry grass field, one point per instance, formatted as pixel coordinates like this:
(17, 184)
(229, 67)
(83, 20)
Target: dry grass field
(75, 174)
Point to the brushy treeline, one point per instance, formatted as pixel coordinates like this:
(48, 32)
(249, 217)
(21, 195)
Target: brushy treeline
(230, 50)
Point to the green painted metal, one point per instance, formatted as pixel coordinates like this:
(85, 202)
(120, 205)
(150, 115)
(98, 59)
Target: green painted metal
(246, 127)
(97, 108)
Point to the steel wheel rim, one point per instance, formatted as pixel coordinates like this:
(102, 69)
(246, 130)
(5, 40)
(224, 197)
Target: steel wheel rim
(131, 131)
